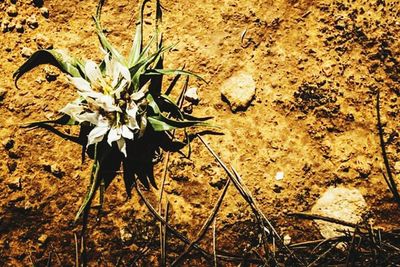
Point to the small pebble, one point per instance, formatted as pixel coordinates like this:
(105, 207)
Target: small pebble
(45, 12)
(43, 238)
(191, 95)
(51, 75)
(126, 236)
(15, 184)
(43, 42)
(22, 21)
(287, 240)
(11, 26)
(32, 22)
(12, 11)
(3, 93)
(54, 170)
(19, 28)
(279, 176)
(38, 3)
(4, 25)
(8, 144)
(26, 52)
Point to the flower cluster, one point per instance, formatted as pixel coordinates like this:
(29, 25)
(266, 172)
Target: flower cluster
(105, 103)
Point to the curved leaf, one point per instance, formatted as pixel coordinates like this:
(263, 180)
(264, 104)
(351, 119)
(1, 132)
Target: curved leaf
(173, 72)
(106, 44)
(57, 58)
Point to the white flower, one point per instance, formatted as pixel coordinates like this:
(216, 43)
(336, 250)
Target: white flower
(102, 106)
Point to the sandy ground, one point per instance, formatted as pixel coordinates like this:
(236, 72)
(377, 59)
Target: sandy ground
(317, 65)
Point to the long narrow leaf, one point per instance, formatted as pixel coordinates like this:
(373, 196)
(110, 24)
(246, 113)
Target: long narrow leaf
(106, 44)
(57, 58)
(173, 72)
(92, 187)
(137, 44)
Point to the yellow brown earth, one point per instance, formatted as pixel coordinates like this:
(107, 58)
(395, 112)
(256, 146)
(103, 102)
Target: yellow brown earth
(317, 66)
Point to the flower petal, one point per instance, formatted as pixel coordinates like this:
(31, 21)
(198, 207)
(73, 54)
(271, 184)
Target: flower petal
(137, 96)
(120, 88)
(114, 135)
(131, 111)
(124, 71)
(126, 132)
(122, 146)
(81, 84)
(73, 110)
(106, 102)
(92, 71)
(92, 117)
(97, 134)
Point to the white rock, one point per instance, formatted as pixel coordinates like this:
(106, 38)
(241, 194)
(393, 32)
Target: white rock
(191, 95)
(339, 203)
(239, 90)
(12, 11)
(26, 52)
(126, 236)
(279, 176)
(287, 240)
(32, 22)
(43, 42)
(19, 27)
(44, 11)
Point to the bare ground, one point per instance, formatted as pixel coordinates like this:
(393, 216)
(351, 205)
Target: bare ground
(318, 66)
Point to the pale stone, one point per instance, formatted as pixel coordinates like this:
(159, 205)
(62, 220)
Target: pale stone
(191, 95)
(32, 22)
(126, 236)
(279, 176)
(12, 11)
(239, 90)
(26, 52)
(339, 203)
(287, 240)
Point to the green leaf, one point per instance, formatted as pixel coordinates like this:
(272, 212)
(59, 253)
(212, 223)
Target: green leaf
(173, 83)
(161, 123)
(93, 186)
(173, 72)
(106, 44)
(57, 58)
(141, 67)
(153, 104)
(137, 43)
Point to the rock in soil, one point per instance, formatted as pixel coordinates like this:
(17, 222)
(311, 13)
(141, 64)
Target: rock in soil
(32, 22)
(43, 42)
(44, 11)
(15, 184)
(43, 239)
(126, 235)
(26, 52)
(239, 90)
(54, 170)
(12, 11)
(192, 96)
(339, 203)
(363, 166)
(3, 93)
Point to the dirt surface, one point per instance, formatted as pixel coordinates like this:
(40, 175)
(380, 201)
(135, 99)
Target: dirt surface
(318, 66)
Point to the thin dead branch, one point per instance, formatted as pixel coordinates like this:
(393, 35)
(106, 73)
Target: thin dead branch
(389, 178)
